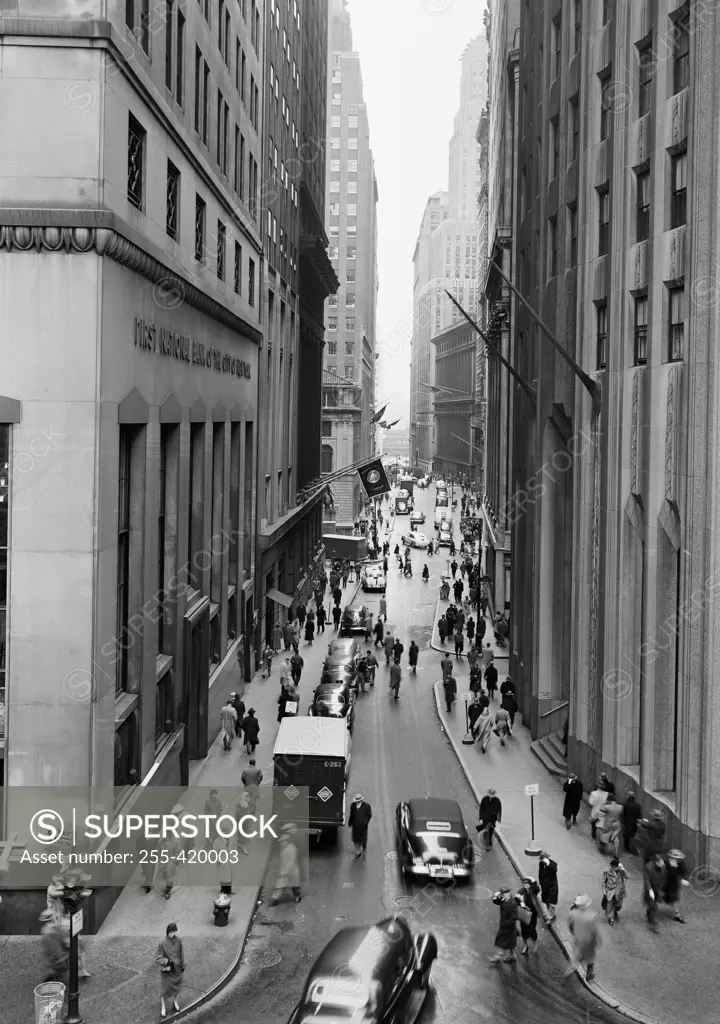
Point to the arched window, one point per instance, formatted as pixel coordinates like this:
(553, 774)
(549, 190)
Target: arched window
(326, 459)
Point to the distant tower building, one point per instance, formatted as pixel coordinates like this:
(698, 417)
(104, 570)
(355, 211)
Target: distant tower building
(351, 313)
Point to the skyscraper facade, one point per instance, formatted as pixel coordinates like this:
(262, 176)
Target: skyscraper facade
(615, 542)
(445, 256)
(351, 224)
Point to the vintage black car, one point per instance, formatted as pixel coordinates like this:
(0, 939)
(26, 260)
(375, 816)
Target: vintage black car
(344, 645)
(354, 622)
(337, 669)
(334, 700)
(432, 840)
(374, 974)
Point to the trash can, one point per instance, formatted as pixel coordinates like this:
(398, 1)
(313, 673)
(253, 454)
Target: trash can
(49, 1002)
(221, 911)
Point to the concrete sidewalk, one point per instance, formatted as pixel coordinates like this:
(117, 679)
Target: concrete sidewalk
(125, 982)
(655, 978)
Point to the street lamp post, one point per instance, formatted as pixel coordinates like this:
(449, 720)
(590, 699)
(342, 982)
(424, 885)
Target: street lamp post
(73, 899)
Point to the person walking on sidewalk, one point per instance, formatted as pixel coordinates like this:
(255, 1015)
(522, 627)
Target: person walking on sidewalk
(582, 923)
(473, 656)
(251, 731)
(655, 879)
(491, 679)
(488, 655)
(459, 643)
(470, 629)
(458, 591)
(276, 637)
(474, 712)
(54, 950)
(507, 687)
(676, 881)
(310, 631)
(453, 568)
(484, 728)
(442, 628)
(609, 829)
(413, 654)
(573, 789)
(632, 813)
(379, 632)
(372, 664)
(288, 868)
(388, 644)
(383, 609)
(337, 615)
(447, 667)
(502, 725)
(490, 813)
(287, 634)
(549, 889)
(506, 937)
(296, 667)
(511, 706)
(171, 958)
(321, 618)
(301, 614)
(228, 720)
(450, 617)
(450, 690)
(395, 678)
(397, 650)
(239, 711)
(337, 596)
(598, 799)
(475, 679)
(359, 822)
(528, 915)
(613, 890)
(251, 779)
(460, 620)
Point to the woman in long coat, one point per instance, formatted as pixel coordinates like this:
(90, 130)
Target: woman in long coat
(582, 923)
(525, 897)
(172, 964)
(506, 937)
(573, 790)
(548, 879)
(483, 728)
(310, 631)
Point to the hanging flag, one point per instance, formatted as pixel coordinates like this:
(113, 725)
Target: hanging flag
(379, 415)
(374, 479)
(389, 425)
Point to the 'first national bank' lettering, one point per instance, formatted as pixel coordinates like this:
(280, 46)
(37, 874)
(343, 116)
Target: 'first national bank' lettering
(179, 346)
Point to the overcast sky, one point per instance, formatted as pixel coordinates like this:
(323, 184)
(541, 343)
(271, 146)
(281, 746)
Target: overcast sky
(410, 57)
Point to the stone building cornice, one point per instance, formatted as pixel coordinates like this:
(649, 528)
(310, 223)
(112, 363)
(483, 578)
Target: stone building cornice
(101, 234)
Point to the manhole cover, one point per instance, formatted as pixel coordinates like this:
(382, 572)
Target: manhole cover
(340, 917)
(406, 902)
(476, 894)
(392, 855)
(262, 958)
(348, 885)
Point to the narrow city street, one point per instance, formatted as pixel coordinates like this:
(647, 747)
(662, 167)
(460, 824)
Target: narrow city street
(400, 752)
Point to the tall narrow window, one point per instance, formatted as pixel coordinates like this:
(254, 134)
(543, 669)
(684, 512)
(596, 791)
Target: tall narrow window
(605, 11)
(219, 140)
(251, 282)
(199, 229)
(249, 495)
(242, 77)
(601, 336)
(217, 524)
(556, 47)
(681, 55)
(603, 223)
(646, 69)
(574, 111)
(164, 436)
(234, 512)
(136, 162)
(226, 41)
(123, 560)
(643, 207)
(676, 327)
(572, 234)
(221, 238)
(577, 20)
(4, 528)
(196, 499)
(237, 270)
(180, 60)
(554, 149)
(169, 48)
(205, 104)
(641, 330)
(678, 203)
(172, 200)
(552, 246)
(326, 459)
(198, 90)
(605, 112)
(221, 25)
(241, 179)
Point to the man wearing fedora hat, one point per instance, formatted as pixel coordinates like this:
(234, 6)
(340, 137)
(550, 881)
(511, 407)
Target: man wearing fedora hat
(507, 933)
(582, 923)
(490, 811)
(359, 822)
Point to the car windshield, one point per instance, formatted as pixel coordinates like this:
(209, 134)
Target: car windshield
(343, 995)
(434, 844)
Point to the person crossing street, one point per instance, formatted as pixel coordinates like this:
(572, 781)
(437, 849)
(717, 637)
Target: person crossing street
(395, 678)
(359, 822)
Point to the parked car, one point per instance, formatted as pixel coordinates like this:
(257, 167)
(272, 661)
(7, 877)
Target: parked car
(371, 974)
(432, 840)
(402, 507)
(417, 519)
(373, 577)
(344, 645)
(444, 538)
(415, 540)
(334, 700)
(354, 622)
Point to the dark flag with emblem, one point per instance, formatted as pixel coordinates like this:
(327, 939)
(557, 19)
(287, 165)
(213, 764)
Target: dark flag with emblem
(374, 479)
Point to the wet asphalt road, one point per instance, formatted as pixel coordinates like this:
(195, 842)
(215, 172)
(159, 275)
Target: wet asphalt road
(399, 752)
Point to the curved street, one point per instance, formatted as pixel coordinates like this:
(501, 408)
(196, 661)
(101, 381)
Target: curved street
(399, 752)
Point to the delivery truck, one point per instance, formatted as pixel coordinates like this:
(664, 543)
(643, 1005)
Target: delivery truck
(312, 756)
(337, 545)
(407, 483)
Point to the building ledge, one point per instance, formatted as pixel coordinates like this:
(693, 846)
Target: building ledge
(271, 534)
(314, 253)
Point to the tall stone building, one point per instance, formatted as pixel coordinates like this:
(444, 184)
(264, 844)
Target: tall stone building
(351, 223)
(298, 277)
(614, 541)
(130, 261)
(445, 254)
(499, 132)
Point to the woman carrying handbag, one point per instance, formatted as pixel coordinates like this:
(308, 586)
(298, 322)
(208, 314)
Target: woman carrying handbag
(527, 915)
(172, 964)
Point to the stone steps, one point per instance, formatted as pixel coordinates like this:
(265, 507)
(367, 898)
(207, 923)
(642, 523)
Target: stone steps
(550, 751)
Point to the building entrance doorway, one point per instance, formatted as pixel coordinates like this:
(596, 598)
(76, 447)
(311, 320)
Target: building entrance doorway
(197, 676)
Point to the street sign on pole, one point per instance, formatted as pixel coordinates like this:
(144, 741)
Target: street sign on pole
(76, 922)
(533, 790)
(532, 849)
